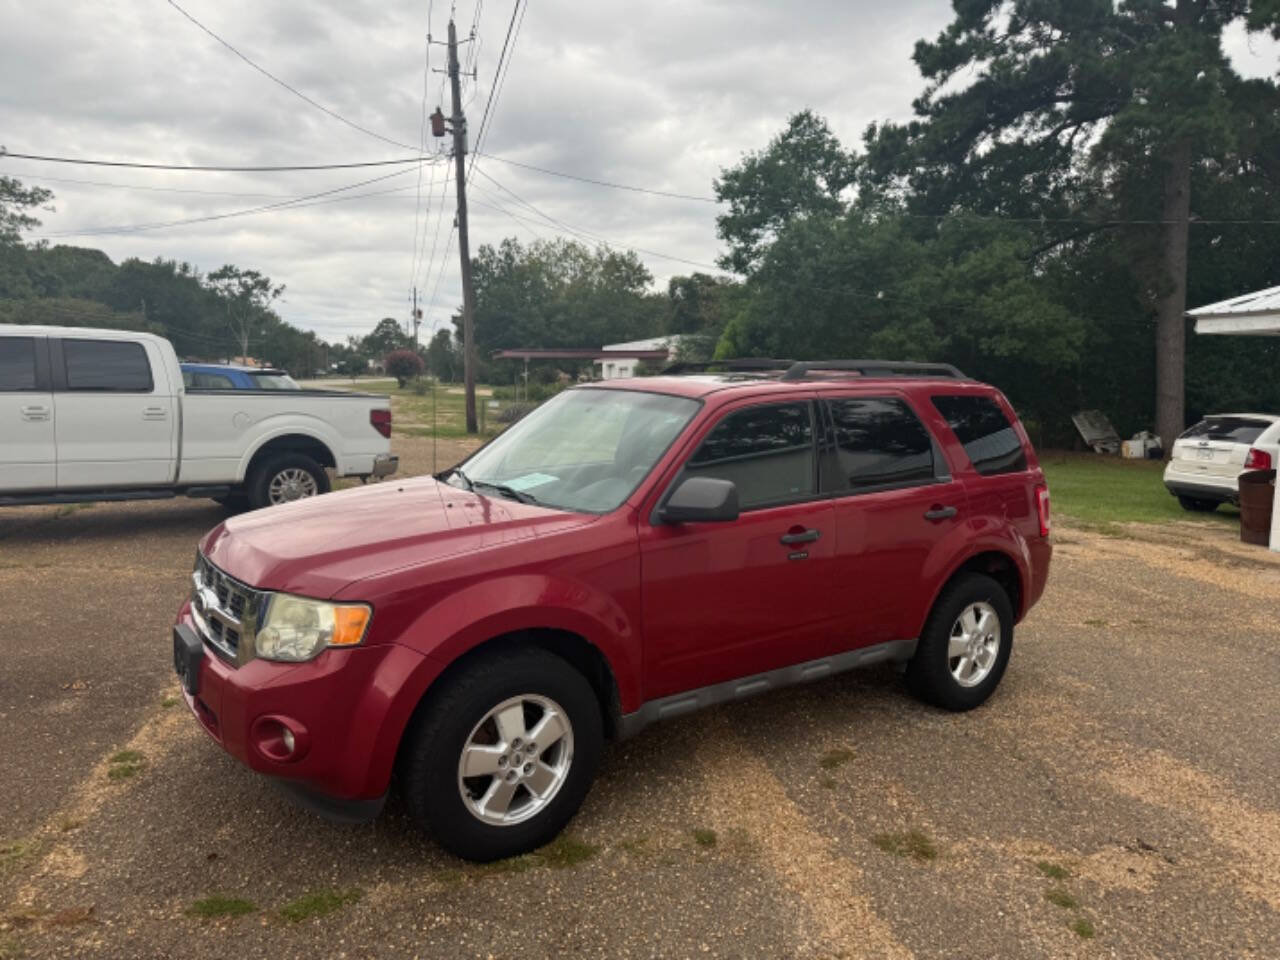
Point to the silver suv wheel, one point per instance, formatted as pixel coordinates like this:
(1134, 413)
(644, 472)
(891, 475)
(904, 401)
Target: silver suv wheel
(515, 760)
(975, 644)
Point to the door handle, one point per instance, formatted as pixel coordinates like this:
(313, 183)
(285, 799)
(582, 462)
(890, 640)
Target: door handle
(940, 513)
(804, 536)
(36, 412)
(154, 413)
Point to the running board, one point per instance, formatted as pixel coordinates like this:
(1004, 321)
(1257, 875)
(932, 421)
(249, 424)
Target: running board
(111, 496)
(630, 724)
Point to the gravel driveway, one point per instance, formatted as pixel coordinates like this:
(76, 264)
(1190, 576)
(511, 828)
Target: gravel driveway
(1116, 797)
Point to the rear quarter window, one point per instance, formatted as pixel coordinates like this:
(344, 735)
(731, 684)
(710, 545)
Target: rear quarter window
(990, 441)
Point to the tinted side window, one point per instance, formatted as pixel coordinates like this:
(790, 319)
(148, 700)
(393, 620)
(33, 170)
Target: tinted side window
(17, 363)
(878, 441)
(988, 437)
(766, 451)
(108, 365)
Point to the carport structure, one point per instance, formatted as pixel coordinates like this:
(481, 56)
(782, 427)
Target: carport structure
(1252, 314)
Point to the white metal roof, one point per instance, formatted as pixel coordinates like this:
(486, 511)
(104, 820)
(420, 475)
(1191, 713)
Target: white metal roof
(1255, 313)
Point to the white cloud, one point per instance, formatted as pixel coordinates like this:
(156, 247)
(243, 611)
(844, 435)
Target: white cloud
(661, 94)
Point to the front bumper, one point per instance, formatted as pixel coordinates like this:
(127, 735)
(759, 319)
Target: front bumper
(346, 711)
(385, 464)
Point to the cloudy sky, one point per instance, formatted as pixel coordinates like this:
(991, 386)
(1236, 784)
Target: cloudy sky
(660, 94)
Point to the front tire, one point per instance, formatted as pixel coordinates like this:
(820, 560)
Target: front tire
(284, 478)
(965, 645)
(1196, 505)
(503, 754)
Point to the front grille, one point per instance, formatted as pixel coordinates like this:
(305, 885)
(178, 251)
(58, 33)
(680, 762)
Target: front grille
(225, 610)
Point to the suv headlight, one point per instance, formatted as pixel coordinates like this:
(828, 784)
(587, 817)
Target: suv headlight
(296, 628)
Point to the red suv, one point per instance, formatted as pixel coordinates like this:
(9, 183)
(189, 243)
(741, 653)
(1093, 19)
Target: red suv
(630, 551)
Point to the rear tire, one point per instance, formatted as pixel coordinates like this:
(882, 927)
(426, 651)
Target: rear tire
(468, 815)
(965, 645)
(1196, 505)
(285, 477)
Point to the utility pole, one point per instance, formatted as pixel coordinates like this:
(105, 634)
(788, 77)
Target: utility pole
(417, 319)
(464, 246)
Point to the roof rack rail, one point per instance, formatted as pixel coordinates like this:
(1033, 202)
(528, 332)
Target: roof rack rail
(873, 368)
(736, 365)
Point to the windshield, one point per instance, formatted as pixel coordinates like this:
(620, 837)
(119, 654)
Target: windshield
(273, 381)
(582, 450)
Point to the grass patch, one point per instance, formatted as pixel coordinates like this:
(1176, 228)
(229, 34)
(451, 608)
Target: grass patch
(828, 783)
(567, 851)
(168, 702)
(124, 764)
(318, 903)
(14, 854)
(1061, 898)
(562, 852)
(835, 758)
(703, 837)
(9, 947)
(1052, 870)
(913, 843)
(211, 908)
(1083, 928)
(1095, 623)
(1104, 491)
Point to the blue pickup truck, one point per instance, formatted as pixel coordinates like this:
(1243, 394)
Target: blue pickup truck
(222, 376)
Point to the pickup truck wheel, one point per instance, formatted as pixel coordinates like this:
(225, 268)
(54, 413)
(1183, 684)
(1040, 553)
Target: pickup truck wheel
(503, 754)
(284, 478)
(965, 645)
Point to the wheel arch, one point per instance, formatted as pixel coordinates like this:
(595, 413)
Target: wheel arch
(290, 441)
(998, 562)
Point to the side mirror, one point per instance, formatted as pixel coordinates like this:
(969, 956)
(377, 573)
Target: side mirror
(701, 500)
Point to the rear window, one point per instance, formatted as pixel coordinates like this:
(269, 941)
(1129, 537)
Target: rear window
(273, 381)
(988, 436)
(1227, 429)
(17, 364)
(106, 365)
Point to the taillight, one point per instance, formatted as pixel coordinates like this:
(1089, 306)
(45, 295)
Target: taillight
(1042, 509)
(381, 420)
(1257, 460)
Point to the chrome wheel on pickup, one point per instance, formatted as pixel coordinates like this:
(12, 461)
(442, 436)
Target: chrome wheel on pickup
(284, 478)
(516, 760)
(502, 752)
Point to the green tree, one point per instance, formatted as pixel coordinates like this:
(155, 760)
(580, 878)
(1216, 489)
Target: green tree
(803, 172)
(1093, 111)
(387, 336)
(15, 202)
(443, 357)
(247, 296)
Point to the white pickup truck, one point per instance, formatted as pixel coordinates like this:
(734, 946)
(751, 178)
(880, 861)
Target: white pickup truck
(91, 414)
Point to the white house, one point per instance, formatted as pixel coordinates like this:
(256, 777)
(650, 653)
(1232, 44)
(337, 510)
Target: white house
(619, 360)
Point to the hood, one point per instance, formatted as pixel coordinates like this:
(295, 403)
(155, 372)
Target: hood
(318, 546)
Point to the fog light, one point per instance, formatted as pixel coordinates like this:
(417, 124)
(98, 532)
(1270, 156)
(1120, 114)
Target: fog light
(286, 737)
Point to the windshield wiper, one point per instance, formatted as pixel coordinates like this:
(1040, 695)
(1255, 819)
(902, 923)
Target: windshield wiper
(456, 472)
(510, 493)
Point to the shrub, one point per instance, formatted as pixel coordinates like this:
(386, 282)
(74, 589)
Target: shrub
(404, 365)
(511, 412)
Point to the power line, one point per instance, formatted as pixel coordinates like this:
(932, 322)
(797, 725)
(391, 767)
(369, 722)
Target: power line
(294, 90)
(599, 183)
(498, 79)
(219, 169)
(286, 204)
(137, 186)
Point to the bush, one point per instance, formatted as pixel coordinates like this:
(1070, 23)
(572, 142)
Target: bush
(404, 365)
(420, 386)
(537, 392)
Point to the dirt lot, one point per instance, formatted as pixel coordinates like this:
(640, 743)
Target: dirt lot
(1116, 797)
